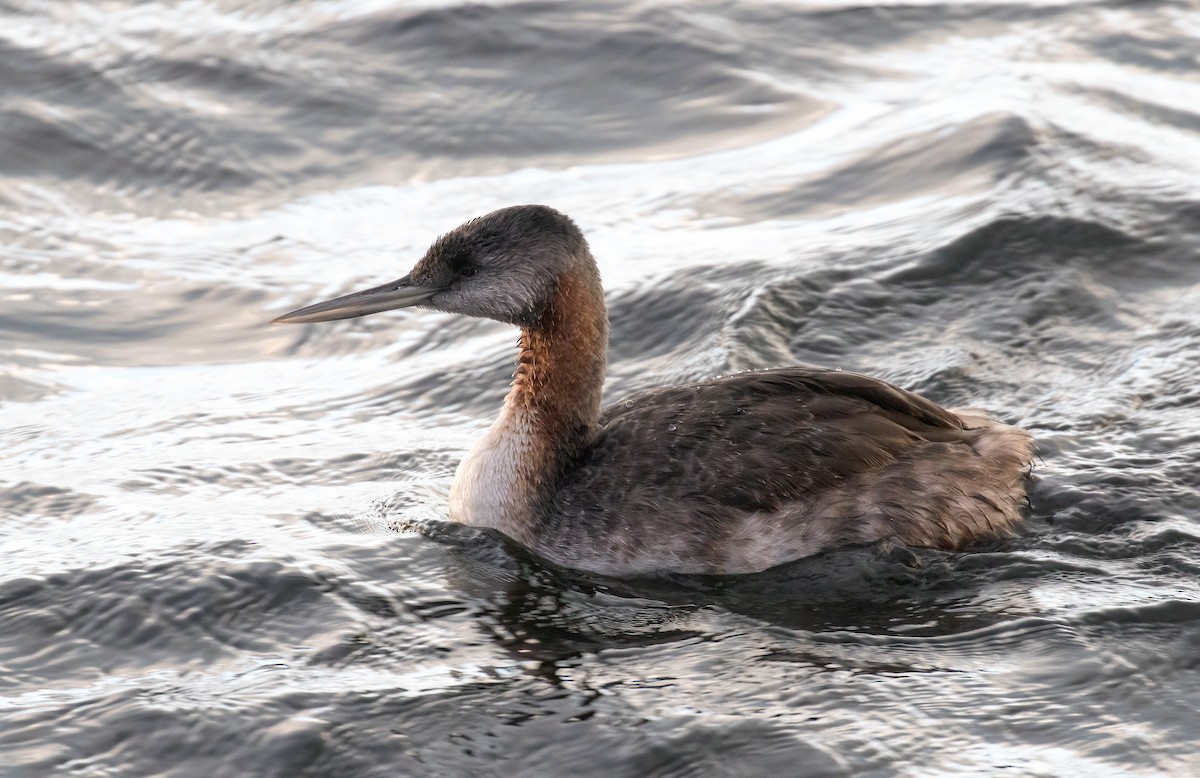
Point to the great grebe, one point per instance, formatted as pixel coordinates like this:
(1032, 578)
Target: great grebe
(733, 475)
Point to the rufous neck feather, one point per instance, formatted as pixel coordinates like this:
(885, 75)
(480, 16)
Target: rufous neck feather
(549, 415)
(560, 369)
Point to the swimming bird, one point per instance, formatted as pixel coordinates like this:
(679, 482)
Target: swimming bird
(731, 475)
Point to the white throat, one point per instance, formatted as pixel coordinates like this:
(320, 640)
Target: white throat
(494, 484)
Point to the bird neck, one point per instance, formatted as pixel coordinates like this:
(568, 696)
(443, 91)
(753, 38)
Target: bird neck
(549, 415)
(560, 369)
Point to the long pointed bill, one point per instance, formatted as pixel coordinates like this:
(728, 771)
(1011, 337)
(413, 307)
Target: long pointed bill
(397, 294)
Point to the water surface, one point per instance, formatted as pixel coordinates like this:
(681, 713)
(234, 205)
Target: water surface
(221, 543)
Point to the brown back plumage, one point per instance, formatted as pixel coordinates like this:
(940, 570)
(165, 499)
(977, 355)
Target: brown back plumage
(754, 469)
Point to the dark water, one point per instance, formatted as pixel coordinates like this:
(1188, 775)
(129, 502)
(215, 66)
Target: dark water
(219, 541)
